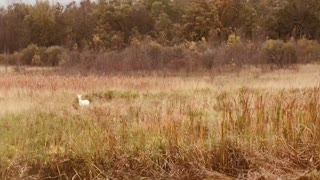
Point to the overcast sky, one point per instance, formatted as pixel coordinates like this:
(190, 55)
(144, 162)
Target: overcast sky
(6, 2)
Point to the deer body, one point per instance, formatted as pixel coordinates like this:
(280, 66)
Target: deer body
(83, 103)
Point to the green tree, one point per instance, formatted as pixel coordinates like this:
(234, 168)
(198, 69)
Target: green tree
(42, 24)
(15, 32)
(297, 18)
(117, 23)
(199, 18)
(75, 24)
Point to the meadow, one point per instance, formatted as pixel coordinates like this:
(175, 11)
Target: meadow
(252, 124)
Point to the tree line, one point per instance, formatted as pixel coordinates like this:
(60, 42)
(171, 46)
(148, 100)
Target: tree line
(114, 24)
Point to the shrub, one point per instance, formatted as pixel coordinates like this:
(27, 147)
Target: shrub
(53, 55)
(153, 53)
(308, 49)
(14, 59)
(34, 55)
(175, 58)
(28, 53)
(207, 59)
(178, 51)
(308, 45)
(289, 53)
(233, 40)
(97, 42)
(36, 60)
(116, 41)
(280, 53)
(5, 59)
(273, 50)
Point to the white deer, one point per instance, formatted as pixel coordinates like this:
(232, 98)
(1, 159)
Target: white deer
(83, 103)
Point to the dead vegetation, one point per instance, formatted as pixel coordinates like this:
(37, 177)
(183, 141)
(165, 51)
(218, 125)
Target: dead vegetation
(247, 125)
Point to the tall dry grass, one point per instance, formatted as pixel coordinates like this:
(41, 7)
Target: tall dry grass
(257, 125)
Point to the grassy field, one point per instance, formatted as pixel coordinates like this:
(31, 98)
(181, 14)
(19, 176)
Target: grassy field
(252, 124)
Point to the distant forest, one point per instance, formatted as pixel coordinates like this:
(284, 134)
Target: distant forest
(124, 35)
(114, 24)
